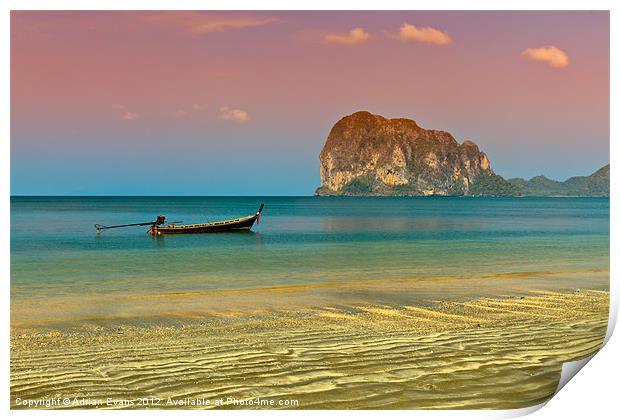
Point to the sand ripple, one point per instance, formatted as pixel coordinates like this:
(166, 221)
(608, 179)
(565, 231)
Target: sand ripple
(483, 353)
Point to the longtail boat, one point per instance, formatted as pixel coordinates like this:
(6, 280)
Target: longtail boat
(160, 227)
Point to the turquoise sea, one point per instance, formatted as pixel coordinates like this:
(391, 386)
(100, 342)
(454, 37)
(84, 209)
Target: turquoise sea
(56, 253)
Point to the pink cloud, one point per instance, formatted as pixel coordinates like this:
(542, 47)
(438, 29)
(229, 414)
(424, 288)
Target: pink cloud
(409, 32)
(45, 24)
(549, 54)
(196, 23)
(188, 110)
(353, 37)
(236, 115)
(126, 114)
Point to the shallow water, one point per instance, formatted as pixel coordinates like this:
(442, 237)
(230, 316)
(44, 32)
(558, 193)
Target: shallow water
(57, 256)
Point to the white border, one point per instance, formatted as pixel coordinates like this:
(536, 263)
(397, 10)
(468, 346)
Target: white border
(593, 394)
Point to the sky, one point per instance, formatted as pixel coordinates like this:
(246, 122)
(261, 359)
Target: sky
(241, 103)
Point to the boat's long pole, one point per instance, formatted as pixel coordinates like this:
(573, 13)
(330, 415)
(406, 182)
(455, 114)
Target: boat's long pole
(103, 227)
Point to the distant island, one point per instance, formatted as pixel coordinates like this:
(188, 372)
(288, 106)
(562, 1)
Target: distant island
(369, 155)
(594, 185)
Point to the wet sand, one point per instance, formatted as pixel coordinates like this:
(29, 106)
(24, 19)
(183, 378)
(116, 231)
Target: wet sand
(504, 351)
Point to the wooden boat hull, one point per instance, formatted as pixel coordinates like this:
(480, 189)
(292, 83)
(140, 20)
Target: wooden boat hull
(160, 227)
(241, 224)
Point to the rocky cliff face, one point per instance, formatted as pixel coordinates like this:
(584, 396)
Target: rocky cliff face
(368, 154)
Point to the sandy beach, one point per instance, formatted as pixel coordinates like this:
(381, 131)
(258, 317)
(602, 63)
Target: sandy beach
(485, 352)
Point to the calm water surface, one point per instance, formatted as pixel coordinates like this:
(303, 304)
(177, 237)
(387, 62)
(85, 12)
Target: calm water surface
(300, 240)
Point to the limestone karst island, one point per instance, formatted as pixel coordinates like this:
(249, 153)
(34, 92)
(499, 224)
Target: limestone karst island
(367, 154)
